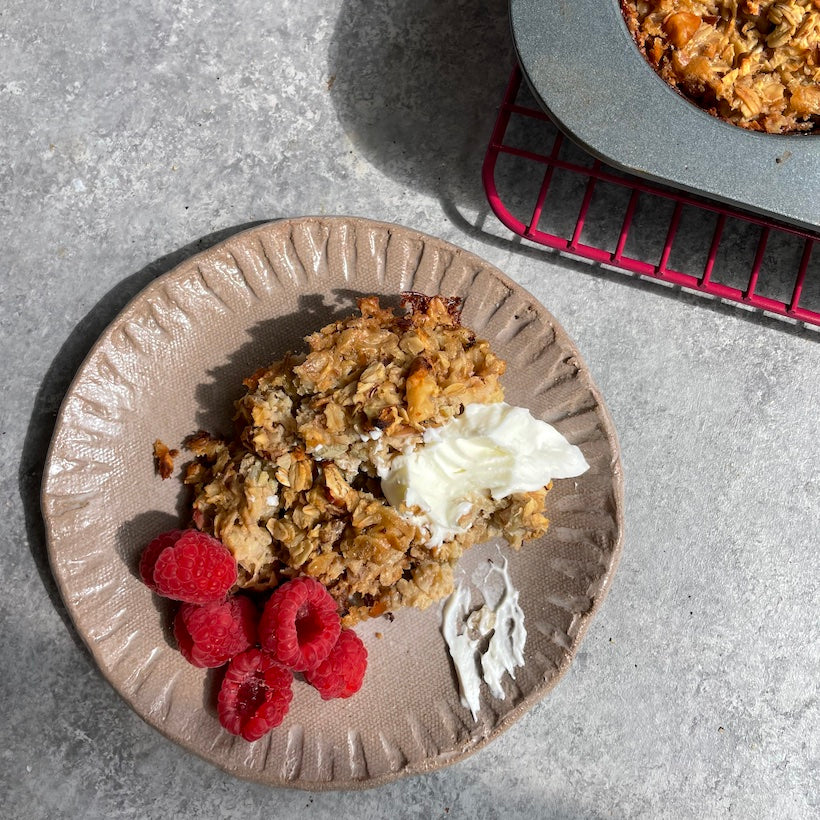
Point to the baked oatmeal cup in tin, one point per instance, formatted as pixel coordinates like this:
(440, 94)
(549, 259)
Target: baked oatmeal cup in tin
(586, 70)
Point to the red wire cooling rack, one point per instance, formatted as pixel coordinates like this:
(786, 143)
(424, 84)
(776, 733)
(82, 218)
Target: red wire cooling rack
(693, 246)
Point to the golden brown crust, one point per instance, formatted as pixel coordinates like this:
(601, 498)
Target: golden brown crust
(753, 63)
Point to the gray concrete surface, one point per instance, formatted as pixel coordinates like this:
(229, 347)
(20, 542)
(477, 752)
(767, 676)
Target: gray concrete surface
(136, 133)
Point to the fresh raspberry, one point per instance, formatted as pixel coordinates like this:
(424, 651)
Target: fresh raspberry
(300, 624)
(340, 675)
(149, 556)
(211, 634)
(197, 569)
(255, 694)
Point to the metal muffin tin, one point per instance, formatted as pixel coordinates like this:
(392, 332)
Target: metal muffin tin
(587, 72)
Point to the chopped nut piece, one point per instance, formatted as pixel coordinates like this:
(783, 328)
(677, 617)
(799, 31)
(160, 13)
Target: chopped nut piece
(420, 388)
(680, 27)
(164, 459)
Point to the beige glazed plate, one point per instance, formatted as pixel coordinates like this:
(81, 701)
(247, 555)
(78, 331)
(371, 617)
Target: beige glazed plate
(173, 362)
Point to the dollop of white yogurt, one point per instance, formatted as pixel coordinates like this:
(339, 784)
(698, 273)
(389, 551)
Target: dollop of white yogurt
(494, 449)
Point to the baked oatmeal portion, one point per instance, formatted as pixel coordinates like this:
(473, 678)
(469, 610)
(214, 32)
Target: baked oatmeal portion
(370, 385)
(297, 491)
(753, 63)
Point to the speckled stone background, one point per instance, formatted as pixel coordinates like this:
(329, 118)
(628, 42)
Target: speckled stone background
(134, 134)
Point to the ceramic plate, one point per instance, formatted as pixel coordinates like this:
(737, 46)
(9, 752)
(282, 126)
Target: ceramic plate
(173, 362)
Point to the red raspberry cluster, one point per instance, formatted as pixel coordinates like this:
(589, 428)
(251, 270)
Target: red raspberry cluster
(299, 630)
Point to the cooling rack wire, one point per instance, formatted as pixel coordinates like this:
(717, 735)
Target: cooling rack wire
(548, 191)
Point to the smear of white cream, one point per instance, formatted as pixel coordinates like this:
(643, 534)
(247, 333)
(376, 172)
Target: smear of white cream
(462, 648)
(505, 651)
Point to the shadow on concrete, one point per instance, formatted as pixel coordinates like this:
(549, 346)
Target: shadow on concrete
(416, 86)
